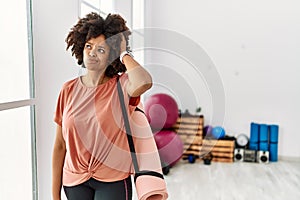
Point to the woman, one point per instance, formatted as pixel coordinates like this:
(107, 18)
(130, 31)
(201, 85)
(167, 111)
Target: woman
(91, 158)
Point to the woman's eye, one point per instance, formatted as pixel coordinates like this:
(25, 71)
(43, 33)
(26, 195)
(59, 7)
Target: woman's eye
(88, 46)
(101, 50)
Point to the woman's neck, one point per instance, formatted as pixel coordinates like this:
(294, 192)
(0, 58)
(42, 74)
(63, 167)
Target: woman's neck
(93, 79)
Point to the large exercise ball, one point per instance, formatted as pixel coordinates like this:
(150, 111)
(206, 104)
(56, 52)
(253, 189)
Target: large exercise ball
(169, 145)
(161, 111)
(218, 132)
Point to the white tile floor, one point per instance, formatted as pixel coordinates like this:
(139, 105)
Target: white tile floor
(228, 181)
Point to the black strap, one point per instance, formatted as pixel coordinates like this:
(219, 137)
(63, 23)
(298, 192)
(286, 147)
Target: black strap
(130, 139)
(127, 127)
(151, 173)
(138, 109)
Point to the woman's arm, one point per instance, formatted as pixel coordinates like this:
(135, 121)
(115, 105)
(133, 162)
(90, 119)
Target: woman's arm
(58, 157)
(139, 78)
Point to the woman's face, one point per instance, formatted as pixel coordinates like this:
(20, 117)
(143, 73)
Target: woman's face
(96, 53)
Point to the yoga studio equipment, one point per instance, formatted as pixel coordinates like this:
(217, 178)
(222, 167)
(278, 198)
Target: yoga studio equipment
(242, 141)
(262, 157)
(238, 154)
(169, 145)
(254, 136)
(263, 138)
(207, 130)
(161, 111)
(218, 132)
(273, 142)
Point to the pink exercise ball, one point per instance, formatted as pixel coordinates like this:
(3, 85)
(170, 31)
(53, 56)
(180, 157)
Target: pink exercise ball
(161, 111)
(169, 145)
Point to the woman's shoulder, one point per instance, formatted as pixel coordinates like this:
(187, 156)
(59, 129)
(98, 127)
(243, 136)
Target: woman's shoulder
(123, 76)
(70, 83)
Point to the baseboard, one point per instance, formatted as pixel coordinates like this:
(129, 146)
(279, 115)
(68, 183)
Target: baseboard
(289, 158)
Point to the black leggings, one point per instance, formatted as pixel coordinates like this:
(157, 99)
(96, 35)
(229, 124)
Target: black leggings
(97, 190)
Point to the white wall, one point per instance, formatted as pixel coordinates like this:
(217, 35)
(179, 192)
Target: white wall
(52, 21)
(255, 47)
(252, 44)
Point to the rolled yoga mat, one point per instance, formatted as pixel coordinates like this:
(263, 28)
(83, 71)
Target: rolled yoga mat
(253, 146)
(254, 136)
(273, 142)
(254, 132)
(141, 142)
(151, 188)
(263, 144)
(263, 133)
(273, 152)
(148, 187)
(273, 133)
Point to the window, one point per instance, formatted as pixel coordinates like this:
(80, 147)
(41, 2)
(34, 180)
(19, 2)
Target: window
(100, 6)
(138, 30)
(17, 131)
(137, 14)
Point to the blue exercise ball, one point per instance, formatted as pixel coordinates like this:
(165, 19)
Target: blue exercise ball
(218, 132)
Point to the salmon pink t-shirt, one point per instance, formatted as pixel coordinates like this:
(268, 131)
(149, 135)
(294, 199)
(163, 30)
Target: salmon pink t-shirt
(93, 130)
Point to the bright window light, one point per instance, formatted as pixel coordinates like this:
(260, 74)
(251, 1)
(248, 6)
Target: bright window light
(15, 154)
(14, 68)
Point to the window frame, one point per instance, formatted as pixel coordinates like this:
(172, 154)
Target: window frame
(31, 101)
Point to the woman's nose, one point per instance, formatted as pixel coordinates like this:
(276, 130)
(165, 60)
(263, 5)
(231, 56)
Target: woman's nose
(92, 53)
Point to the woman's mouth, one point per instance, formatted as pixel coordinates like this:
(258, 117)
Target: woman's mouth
(92, 61)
